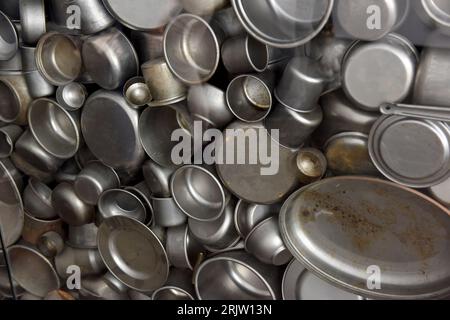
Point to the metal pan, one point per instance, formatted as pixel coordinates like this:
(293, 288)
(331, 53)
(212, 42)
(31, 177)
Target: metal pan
(348, 230)
(133, 253)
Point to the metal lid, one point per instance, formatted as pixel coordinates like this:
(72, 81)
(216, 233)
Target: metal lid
(283, 24)
(353, 17)
(143, 15)
(378, 72)
(412, 152)
(107, 117)
(301, 284)
(133, 253)
(370, 236)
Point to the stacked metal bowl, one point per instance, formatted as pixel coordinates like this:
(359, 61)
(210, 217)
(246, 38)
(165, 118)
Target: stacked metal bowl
(190, 149)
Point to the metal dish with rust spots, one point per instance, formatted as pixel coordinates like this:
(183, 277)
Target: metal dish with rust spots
(370, 237)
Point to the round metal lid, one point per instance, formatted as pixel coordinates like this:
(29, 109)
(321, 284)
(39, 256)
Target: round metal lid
(301, 284)
(248, 181)
(133, 253)
(283, 24)
(360, 233)
(353, 17)
(11, 207)
(412, 152)
(143, 15)
(110, 129)
(378, 72)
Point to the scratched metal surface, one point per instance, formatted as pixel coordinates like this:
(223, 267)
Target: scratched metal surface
(341, 227)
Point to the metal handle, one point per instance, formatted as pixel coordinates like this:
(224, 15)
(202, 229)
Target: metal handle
(414, 111)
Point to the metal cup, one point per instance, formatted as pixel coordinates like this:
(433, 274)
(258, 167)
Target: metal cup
(94, 179)
(71, 96)
(34, 228)
(69, 207)
(164, 87)
(111, 65)
(249, 215)
(245, 276)
(8, 34)
(199, 193)
(118, 202)
(301, 85)
(88, 260)
(244, 54)
(207, 103)
(266, 244)
(83, 237)
(94, 16)
(136, 92)
(58, 58)
(8, 137)
(33, 160)
(177, 287)
(32, 20)
(191, 48)
(14, 98)
(294, 127)
(157, 178)
(217, 234)
(249, 98)
(55, 129)
(311, 164)
(37, 200)
(166, 213)
(182, 248)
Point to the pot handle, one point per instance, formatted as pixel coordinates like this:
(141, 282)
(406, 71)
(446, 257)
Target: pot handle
(415, 111)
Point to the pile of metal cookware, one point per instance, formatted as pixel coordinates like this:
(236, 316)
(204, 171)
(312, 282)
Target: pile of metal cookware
(352, 110)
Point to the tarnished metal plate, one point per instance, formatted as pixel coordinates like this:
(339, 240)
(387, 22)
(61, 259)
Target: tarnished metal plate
(371, 237)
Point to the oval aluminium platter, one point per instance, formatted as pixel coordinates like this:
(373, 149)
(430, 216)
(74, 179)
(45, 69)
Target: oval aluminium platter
(371, 237)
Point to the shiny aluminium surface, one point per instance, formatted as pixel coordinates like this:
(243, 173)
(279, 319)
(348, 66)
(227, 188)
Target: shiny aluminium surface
(119, 202)
(26, 263)
(8, 137)
(409, 151)
(11, 206)
(15, 97)
(312, 165)
(136, 92)
(135, 15)
(203, 8)
(301, 284)
(248, 215)
(71, 96)
(107, 117)
(368, 85)
(178, 286)
(83, 237)
(37, 200)
(166, 212)
(400, 230)
(157, 178)
(32, 20)
(182, 248)
(8, 36)
(246, 181)
(284, 24)
(133, 253)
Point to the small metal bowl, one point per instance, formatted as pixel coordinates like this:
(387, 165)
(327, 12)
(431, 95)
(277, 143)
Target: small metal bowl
(71, 96)
(94, 179)
(136, 92)
(181, 247)
(266, 244)
(69, 207)
(58, 58)
(191, 49)
(199, 193)
(37, 200)
(118, 202)
(10, 40)
(249, 98)
(249, 215)
(246, 278)
(312, 165)
(26, 264)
